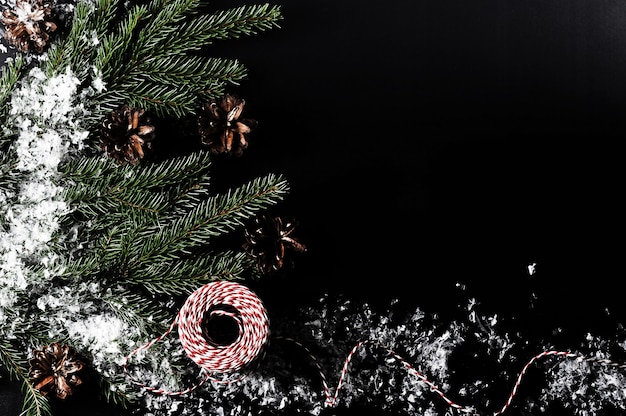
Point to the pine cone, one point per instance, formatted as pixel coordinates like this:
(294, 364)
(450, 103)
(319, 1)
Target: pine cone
(54, 369)
(271, 243)
(127, 134)
(221, 127)
(29, 25)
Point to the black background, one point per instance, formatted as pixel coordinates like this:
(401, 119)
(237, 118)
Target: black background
(434, 143)
(434, 149)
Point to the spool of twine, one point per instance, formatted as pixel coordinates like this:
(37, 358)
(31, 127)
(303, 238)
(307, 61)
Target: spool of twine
(222, 326)
(225, 304)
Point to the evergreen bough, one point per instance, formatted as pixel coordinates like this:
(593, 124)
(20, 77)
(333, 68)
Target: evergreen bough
(131, 241)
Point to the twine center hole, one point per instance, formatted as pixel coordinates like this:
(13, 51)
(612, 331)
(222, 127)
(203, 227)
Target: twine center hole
(220, 326)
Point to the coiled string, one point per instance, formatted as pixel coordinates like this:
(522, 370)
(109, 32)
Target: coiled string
(331, 400)
(213, 301)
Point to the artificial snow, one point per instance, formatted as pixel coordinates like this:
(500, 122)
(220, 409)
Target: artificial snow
(287, 381)
(41, 110)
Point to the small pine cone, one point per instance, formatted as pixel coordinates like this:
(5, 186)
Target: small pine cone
(221, 128)
(29, 25)
(271, 243)
(54, 369)
(127, 134)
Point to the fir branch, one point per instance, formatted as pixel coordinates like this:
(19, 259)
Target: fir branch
(184, 70)
(188, 196)
(156, 5)
(151, 66)
(182, 276)
(139, 312)
(105, 197)
(104, 16)
(75, 48)
(116, 395)
(90, 25)
(12, 359)
(83, 266)
(228, 24)
(164, 21)
(116, 206)
(119, 200)
(122, 202)
(212, 217)
(112, 58)
(161, 99)
(144, 58)
(111, 193)
(82, 172)
(130, 245)
(169, 172)
(11, 73)
(35, 404)
(114, 247)
(8, 161)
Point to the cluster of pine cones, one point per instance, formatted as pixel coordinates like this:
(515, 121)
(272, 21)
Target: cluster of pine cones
(128, 133)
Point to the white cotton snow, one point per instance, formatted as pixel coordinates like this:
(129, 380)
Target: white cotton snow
(100, 333)
(39, 109)
(97, 82)
(287, 381)
(45, 119)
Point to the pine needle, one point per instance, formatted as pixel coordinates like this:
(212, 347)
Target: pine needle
(11, 73)
(35, 404)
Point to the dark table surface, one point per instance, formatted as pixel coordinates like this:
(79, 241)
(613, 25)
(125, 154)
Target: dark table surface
(432, 145)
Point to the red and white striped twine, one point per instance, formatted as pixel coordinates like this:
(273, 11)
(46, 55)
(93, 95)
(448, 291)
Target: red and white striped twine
(220, 298)
(331, 400)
